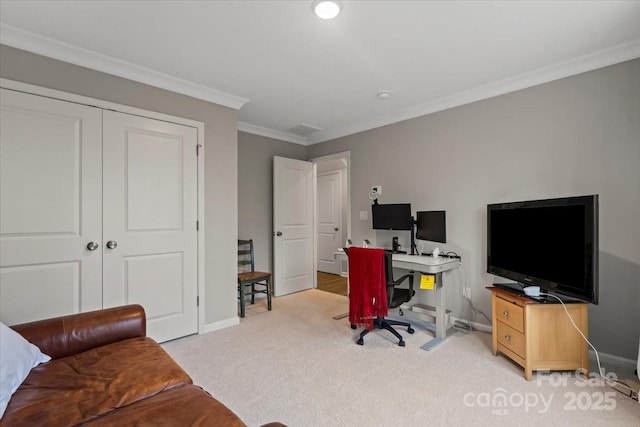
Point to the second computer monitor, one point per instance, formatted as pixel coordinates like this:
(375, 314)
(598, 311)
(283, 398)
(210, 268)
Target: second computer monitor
(431, 226)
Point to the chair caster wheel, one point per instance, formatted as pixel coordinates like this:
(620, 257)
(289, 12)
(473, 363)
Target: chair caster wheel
(410, 330)
(353, 326)
(360, 341)
(401, 343)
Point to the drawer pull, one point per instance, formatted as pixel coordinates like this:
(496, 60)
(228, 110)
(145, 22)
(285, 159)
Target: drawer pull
(507, 338)
(505, 313)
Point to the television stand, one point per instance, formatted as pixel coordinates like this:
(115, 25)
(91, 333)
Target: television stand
(538, 336)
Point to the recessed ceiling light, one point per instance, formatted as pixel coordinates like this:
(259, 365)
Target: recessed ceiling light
(326, 9)
(385, 94)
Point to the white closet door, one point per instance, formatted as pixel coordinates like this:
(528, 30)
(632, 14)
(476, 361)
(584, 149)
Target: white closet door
(50, 207)
(150, 213)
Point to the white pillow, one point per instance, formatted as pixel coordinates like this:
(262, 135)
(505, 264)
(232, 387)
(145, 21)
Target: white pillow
(17, 357)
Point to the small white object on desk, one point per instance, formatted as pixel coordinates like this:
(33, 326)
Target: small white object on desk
(435, 252)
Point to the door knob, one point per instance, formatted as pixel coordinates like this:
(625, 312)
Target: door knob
(278, 233)
(336, 229)
(112, 244)
(92, 246)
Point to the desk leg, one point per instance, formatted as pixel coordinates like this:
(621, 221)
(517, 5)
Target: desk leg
(441, 326)
(343, 315)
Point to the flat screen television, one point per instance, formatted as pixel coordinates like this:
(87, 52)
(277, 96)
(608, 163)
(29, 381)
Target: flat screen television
(549, 243)
(431, 226)
(392, 216)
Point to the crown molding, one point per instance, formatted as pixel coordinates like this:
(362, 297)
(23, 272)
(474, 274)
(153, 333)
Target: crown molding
(603, 58)
(51, 48)
(270, 133)
(45, 46)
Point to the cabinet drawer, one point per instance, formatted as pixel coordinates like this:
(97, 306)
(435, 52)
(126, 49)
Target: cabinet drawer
(509, 313)
(511, 338)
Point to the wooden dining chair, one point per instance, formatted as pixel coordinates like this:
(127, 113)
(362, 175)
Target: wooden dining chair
(251, 282)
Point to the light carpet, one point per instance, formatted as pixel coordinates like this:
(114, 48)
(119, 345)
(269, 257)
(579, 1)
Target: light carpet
(297, 365)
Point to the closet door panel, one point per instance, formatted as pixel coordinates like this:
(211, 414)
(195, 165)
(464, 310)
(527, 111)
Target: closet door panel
(150, 198)
(50, 207)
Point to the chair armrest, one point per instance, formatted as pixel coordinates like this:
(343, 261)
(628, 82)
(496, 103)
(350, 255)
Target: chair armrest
(405, 277)
(67, 335)
(391, 290)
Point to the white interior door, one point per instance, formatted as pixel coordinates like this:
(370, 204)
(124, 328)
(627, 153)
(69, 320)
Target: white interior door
(329, 221)
(150, 199)
(50, 207)
(293, 226)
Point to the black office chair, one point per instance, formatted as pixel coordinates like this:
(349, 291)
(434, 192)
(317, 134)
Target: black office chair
(395, 297)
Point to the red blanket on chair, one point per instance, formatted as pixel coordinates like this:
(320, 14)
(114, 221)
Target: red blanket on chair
(367, 286)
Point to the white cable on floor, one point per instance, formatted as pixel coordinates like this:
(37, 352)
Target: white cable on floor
(602, 375)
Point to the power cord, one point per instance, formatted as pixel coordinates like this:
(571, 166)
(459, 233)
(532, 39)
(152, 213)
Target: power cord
(633, 394)
(451, 254)
(461, 326)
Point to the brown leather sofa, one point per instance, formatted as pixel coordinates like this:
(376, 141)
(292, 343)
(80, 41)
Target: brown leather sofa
(104, 370)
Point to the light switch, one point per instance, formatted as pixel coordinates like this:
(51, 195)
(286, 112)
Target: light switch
(364, 215)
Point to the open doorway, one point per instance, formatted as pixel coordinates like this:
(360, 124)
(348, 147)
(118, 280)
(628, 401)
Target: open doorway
(333, 225)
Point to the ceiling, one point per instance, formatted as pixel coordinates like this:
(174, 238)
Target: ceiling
(298, 78)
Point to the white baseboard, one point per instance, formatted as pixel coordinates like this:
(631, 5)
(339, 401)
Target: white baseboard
(621, 362)
(221, 324)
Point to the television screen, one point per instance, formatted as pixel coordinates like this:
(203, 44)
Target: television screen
(392, 216)
(549, 243)
(432, 226)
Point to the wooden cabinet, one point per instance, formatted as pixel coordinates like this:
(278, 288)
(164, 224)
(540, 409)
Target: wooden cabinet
(538, 336)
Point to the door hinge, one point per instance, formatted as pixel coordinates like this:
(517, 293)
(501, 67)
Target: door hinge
(197, 301)
(198, 149)
(197, 225)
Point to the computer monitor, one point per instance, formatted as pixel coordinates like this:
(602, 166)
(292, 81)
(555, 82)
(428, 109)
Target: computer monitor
(431, 226)
(392, 216)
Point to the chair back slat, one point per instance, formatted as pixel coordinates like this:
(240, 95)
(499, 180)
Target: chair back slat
(246, 261)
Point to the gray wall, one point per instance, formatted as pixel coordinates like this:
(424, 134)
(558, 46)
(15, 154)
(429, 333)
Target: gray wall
(255, 190)
(575, 136)
(220, 156)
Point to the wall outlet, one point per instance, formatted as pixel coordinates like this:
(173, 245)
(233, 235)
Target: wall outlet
(377, 190)
(364, 215)
(466, 292)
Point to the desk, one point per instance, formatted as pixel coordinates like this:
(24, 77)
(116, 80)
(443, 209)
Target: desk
(426, 265)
